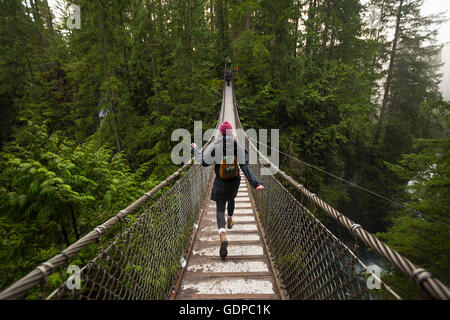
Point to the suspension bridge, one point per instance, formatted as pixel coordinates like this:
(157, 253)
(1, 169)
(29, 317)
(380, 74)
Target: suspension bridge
(165, 246)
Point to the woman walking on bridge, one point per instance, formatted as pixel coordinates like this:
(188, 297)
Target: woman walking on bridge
(227, 155)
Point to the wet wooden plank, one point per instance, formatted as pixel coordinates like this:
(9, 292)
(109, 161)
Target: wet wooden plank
(218, 285)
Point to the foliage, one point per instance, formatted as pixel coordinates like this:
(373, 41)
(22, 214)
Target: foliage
(421, 233)
(53, 192)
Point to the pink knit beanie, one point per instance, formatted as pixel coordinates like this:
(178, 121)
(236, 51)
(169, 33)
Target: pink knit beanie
(224, 127)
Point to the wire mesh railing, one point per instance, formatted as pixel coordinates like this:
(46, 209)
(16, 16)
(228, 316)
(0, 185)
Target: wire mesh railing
(143, 261)
(313, 262)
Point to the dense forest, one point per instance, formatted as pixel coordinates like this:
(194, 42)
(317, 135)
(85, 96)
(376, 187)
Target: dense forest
(86, 114)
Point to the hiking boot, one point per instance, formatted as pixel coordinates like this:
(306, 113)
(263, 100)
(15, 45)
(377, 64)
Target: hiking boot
(230, 222)
(223, 245)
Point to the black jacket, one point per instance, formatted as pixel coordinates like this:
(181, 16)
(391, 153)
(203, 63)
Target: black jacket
(226, 189)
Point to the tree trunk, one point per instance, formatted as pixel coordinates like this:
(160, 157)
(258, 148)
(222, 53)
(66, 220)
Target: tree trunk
(111, 93)
(125, 55)
(390, 71)
(163, 27)
(37, 18)
(332, 40)
(74, 223)
(48, 18)
(310, 28)
(30, 69)
(151, 44)
(221, 26)
(152, 49)
(65, 235)
(325, 29)
(247, 20)
(380, 29)
(296, 24)
(190, 45)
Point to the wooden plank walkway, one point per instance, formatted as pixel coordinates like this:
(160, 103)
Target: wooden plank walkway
(245, 273)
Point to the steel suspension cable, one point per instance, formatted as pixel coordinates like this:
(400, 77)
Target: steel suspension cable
(416, 212)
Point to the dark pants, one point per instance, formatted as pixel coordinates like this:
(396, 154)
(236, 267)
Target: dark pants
(220, 206)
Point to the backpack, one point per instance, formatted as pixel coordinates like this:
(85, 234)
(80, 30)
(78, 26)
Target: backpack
(228, 168)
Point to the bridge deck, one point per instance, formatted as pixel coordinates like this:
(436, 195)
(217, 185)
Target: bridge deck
(245, 273)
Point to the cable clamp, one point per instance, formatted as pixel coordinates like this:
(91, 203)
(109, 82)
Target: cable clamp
(100, 229)
(46, 268)
(354, 227)
(65, 256)
(417, 271)
(42, 270)
(421, 275)
(50, 266)
(121, 215)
